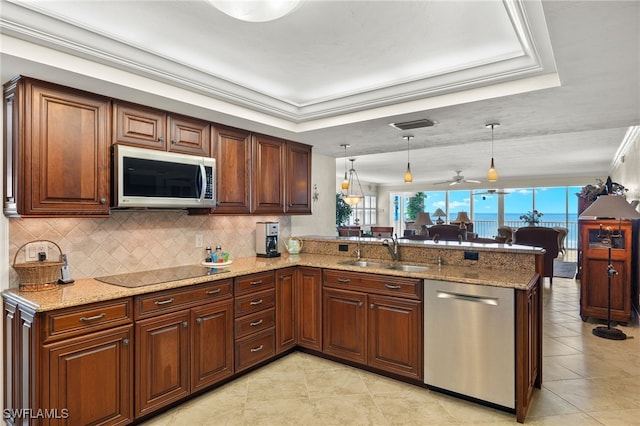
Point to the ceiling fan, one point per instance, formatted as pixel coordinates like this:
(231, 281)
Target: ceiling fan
(457, 179)
(492, 192)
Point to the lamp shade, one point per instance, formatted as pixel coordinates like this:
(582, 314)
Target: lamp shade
(439, 213)
(462, 218)
(610, 207)
(423, 218)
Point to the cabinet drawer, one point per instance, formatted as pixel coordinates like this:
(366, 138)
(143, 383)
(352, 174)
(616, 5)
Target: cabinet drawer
(171, 300)
(254, 282)
(256, 322)
(83, 319)
(372, 283)
(255, 348)
(255, 302)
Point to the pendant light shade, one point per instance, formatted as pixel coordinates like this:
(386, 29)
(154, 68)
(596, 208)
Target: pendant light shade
(408, 176)
(256, 11)
(492, 174)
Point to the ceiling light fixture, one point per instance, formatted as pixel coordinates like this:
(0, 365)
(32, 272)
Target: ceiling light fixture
(408, 177)
(345, 182)
(492, 174)
(256, 10)
(353, 198)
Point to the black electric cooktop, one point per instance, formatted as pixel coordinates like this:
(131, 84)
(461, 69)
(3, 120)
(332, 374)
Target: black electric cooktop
(158, 276)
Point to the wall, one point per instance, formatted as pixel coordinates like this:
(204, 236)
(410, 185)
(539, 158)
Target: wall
(322, 221)
(626, 166)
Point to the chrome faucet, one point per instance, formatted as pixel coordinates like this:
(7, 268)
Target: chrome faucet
(358, 250)
(392, 246)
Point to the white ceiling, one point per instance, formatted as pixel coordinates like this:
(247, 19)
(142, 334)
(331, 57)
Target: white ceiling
(562, 77)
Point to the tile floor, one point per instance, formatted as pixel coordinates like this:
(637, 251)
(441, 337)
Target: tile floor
(587, 380)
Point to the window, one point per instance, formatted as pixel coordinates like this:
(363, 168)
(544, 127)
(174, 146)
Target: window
(459, 201)
(365, 212)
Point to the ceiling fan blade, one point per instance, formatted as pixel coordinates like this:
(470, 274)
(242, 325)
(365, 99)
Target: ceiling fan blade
(455, 182)
(471, 181)
(442, 183)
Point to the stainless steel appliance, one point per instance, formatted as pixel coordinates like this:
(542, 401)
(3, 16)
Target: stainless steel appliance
(267, 239)
(469, 340)
(158, 179)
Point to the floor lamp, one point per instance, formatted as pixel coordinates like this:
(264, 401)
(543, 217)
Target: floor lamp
(601, 331)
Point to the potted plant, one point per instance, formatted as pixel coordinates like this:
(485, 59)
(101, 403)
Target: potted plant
(531, 218)
(343, 211)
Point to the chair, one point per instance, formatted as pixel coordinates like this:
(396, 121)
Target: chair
(446, 232)
(507, 232)
(540, 236)
(382, 231)
(562, 234)
(348, 231)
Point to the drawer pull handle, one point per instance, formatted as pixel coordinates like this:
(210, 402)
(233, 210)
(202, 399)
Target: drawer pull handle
(394, 287)
(258, 349)
(257, 302)
(256, 282)
(344, 280)
(93, 318)
(216, 291)
(164, 302)
(253, 324)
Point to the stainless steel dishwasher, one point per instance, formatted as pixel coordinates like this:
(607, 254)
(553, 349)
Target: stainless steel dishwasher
(469, 340)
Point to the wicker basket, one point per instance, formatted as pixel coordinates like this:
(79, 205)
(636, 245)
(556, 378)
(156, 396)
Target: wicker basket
(38, 276)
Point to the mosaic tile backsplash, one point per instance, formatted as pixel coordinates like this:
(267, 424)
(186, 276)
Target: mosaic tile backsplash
(133, 241)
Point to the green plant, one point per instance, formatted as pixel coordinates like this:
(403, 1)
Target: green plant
(531, 217)
(343, 211)
(591, 192)
(415, 205)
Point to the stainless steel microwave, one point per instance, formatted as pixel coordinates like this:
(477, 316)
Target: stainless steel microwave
(158, 179)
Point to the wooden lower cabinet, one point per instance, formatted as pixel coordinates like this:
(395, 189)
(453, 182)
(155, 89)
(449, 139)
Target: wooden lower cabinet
(286, 336)
(345, 324)
(308, 299)
(182, 352)
(92, 378)
(528, 347)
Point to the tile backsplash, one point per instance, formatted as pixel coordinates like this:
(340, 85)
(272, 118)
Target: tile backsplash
(133, 241)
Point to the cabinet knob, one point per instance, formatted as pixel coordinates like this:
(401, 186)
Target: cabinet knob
(103, 201)
(174, 142)
(185, 324)
(372, 306)
(125, 342)
(199, 320)
(360, 304)
(161, 139)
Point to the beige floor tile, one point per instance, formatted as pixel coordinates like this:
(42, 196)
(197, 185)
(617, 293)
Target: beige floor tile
(377, 384)
(347, 410)
(629, 417)
(546, 403)
(417, 407)
(326, 383)
(578, 419)
(553, 371)
(595, 394)
(279, 412)
(271, 385)
(551, 346)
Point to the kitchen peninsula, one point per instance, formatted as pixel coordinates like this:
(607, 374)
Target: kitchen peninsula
(203, 331)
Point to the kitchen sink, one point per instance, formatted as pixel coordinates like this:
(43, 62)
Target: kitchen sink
(409, 268)
(367, 264)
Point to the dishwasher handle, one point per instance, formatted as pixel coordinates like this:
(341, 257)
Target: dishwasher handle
(441, 294)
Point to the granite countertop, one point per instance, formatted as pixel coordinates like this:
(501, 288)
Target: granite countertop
(89, 290)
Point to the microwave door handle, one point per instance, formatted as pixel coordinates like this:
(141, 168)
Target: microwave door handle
(203, 178)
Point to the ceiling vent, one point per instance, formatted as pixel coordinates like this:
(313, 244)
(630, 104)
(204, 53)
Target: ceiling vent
(415, 124)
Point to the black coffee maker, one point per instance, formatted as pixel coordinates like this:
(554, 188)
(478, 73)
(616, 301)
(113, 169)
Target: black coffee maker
(267, 239)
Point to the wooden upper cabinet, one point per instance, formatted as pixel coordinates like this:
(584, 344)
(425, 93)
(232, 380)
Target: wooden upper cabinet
(139, 125)
(298, 179)
(268, 178)
(147, 127)
(189, 135)
(56, 150)
(232, 150)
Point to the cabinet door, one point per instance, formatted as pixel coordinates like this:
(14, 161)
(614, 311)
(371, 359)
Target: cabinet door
(232, 150)
(268, 175)
(594, 290)
(139, 125)
(212, 350)
(298, 180)
(91, 377)
(189, 135)
(309, 307)
(395, 332)
(345, 324)
(66, 155)
(162, 361)
(285, 309)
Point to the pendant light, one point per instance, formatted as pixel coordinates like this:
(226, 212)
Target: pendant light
(408, 177)
(351, 197)
(492, 174)
(345, 182)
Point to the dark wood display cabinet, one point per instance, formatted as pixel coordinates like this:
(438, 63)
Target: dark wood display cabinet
(595, 242)
(55, 150)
